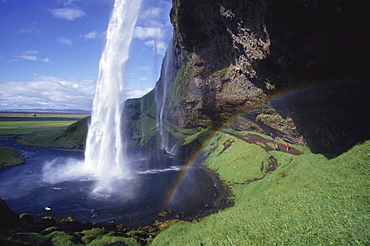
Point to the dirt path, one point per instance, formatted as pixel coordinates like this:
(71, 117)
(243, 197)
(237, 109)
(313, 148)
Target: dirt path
(263, 142)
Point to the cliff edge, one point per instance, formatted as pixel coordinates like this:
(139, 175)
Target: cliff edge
(298, 69)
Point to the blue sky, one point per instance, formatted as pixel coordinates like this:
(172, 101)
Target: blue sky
(50, 51)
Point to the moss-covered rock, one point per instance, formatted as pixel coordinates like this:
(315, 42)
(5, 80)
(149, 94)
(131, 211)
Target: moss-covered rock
(50, 230)
(26, 218)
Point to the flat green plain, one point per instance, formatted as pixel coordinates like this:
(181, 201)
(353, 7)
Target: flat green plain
(17, 124)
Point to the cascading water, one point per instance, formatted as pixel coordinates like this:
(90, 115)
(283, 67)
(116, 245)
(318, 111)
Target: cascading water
(104, 154)
(160, 99)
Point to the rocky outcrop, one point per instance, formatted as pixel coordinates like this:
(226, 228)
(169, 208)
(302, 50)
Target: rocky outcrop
(306, 59)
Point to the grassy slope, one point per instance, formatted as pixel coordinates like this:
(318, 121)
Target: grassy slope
(57, 132)
(10, 157)
(307, 200)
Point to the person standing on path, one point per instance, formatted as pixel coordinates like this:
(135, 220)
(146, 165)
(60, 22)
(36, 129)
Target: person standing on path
(277, 146)
(287, 146)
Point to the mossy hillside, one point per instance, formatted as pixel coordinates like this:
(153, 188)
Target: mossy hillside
(73, 136)
(235, 169)
(52, 131)
(176, 92)
(10, 157)
(307, 200)
(140, 117)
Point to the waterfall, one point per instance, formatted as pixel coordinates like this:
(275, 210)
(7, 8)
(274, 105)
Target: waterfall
(104, 154)
(160, 99)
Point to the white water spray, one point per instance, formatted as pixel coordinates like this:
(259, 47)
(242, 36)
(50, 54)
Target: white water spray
(104, 154)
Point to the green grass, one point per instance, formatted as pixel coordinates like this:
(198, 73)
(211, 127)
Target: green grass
(26, 125)
(57, 132)
(307, 200)
(93, 237)
(10, 157)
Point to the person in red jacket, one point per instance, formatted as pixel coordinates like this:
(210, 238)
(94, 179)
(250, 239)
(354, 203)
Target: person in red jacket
(287, 146)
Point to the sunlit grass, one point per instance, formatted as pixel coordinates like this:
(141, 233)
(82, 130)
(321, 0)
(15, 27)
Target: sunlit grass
(10, 157)
(307, 200)
(45, 131)
(26, 125)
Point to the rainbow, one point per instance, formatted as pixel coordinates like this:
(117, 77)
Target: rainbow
(189, 162)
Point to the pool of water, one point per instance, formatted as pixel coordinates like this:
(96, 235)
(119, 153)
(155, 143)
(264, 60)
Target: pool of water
(136, 200)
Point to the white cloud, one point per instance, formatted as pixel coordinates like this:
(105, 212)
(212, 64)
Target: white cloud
(148, 32)
(151, 13)
(46, 60)
(48, 92)
(69, 2)
(66, 41)
(93, 35)
(45, 92)
(154, 27)
(67, 13)
(29, 52)
(28, 57)
(136, 93)
(31, 55)
(30, 28)
(158, 46)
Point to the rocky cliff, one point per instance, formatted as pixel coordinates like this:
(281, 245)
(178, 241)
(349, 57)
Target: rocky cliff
(297, 68)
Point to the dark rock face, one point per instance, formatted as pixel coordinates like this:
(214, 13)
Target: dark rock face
(8, 219)
(235, 55)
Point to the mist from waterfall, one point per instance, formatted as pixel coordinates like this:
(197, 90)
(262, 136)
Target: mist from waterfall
(104, 154)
